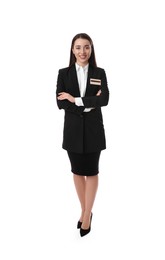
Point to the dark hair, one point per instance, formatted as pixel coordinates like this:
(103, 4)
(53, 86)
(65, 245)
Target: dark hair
(92, 59)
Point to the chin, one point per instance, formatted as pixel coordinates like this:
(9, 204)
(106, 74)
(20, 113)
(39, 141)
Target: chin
(84, 61)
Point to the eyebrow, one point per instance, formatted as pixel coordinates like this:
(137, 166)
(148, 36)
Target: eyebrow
(87, 45)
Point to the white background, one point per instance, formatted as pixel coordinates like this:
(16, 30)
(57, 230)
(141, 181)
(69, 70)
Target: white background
(39, 208)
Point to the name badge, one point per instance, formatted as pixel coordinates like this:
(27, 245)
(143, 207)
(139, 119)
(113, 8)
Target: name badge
(95, 82)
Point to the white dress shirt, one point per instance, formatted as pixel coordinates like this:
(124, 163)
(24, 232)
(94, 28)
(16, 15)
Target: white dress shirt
(82, 74)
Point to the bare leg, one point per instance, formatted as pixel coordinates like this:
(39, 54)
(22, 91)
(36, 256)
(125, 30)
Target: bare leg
(79, 182)
(90, 194)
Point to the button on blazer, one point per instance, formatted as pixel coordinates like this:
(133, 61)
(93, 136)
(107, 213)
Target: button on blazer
(83, 132)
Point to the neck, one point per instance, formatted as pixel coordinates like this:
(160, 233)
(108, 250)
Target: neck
(82, 64)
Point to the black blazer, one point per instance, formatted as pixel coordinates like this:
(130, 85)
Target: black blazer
(83, 131)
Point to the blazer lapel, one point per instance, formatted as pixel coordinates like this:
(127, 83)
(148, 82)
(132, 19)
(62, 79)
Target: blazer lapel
(74, 81)
(90, 73)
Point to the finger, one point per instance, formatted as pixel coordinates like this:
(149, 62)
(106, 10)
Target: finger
(98, 93)
(60, 96)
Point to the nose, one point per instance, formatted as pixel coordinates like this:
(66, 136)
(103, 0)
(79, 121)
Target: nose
(82, 50)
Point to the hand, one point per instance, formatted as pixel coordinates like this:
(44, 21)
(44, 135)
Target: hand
(98, 93)
(64, 95)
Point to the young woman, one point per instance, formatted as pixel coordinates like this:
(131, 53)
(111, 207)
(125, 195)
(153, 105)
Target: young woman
(81, 91)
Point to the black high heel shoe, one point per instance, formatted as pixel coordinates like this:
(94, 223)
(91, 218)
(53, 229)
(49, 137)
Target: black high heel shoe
(84, 232)
(79, 223)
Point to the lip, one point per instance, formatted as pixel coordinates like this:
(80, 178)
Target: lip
(82, 57)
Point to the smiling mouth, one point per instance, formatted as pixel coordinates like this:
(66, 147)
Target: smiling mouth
(82, 57)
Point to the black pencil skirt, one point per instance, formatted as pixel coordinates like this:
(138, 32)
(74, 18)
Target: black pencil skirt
(86, 164)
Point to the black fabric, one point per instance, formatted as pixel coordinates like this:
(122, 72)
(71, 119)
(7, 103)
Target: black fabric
(86, 164)
(83, 132)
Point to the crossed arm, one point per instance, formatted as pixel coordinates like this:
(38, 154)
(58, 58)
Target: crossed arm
(67, 101)
(64, 95)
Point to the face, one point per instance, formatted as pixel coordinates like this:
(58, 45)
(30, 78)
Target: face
(82, 50)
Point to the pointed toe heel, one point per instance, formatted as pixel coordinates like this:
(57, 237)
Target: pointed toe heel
(79, 223)
(84, 232)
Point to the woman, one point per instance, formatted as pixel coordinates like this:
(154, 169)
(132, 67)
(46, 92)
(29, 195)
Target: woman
(81, 91)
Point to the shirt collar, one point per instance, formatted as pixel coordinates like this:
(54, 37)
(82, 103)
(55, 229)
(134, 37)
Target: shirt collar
(85, 68)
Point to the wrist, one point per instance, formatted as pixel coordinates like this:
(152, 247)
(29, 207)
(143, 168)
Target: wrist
(73, 100)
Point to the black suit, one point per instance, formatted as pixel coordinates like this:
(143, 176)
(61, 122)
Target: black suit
(83, 131)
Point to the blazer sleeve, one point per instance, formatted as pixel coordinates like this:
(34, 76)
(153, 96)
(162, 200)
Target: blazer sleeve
(65, 104)
(98, 101)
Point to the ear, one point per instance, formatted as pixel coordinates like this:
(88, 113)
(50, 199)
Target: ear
(73, 51)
